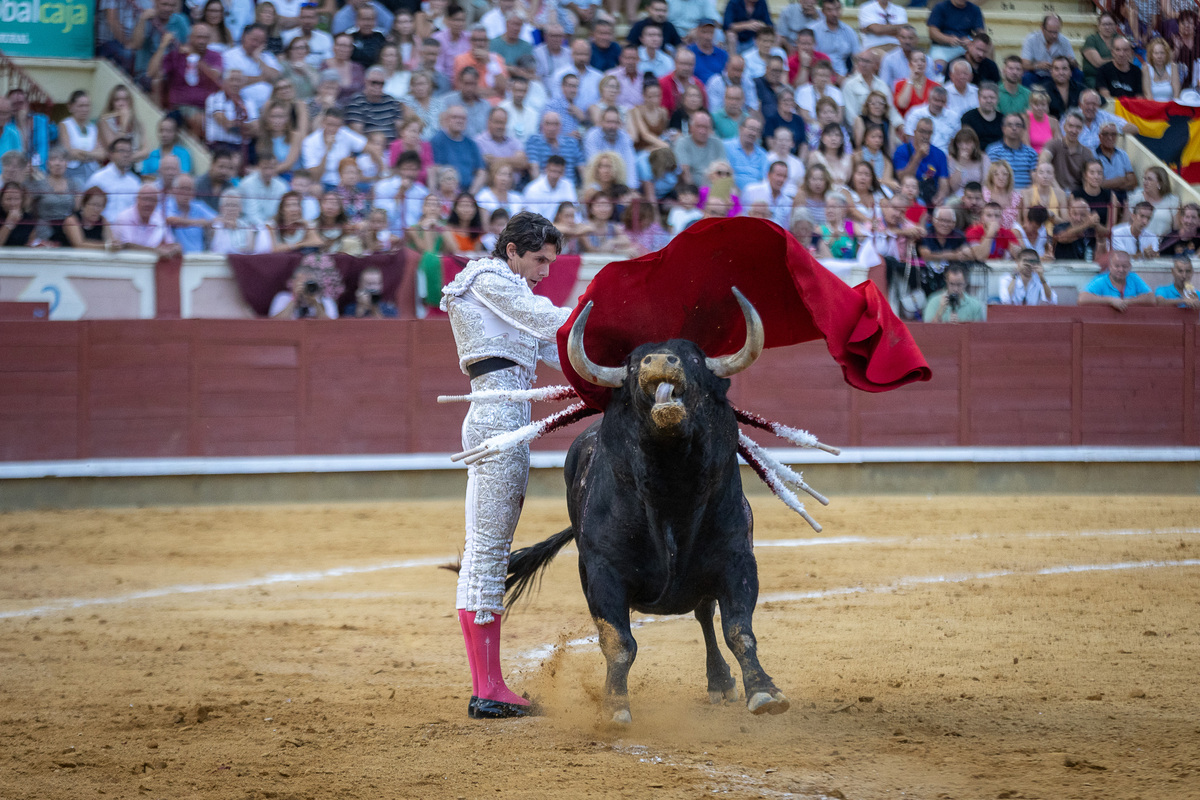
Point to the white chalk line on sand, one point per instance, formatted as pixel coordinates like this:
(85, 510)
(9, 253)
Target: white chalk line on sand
(72, 603)
(546, 650)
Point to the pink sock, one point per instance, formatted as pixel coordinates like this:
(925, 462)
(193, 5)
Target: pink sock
(483, 647)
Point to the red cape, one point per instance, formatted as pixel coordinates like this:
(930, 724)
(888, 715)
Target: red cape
(683, 292)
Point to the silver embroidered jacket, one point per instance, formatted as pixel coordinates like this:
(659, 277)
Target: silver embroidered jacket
(494, 313)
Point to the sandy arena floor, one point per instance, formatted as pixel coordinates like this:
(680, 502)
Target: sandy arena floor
(955, 647)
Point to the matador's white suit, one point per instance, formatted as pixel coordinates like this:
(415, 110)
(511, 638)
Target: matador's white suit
(502, 326)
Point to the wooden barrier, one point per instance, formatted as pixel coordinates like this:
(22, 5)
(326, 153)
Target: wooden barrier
(168, 388)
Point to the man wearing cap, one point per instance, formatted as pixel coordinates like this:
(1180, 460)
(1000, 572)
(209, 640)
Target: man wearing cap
(710, 59)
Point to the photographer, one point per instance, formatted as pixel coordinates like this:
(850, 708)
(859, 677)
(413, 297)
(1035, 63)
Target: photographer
(953, 304)
(303, 298)
(368, 300)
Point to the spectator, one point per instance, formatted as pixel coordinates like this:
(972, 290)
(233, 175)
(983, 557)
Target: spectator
(142, 226)
(169, 171)
(605, 173)
(742, 20)
(651, 57)
(266, 15)
(117, 179)
(894, 239)
(1014, 96)
(1043, 46)
(990, 239)
(833, 154)
(564, 220)
(118, 121)
(770, 86)
(689, 15)
(710, 59)
(402, 194)
(550, 56)
(53, 197)
(575, 118)
(368, 39)
(612, 138)
(369, 301)
(732, 113)
(1037, 232)
(787, 116)
(746, 155)
(603, 234)
(914, 90)
(810, 94)
(864, 195)
(894, 67)
(1120, 77)
(371, 110)
(647, 123)
(863, 83)
(734, 75)
(87, 228)
(454, 39)
(373, 233)
(953, 304)
(540, 147)
(303, 299)
(278, 139)
(256, 63)
(1120, 287)
(835, 38)
(1184, 240)
(839, 232)
(356, 203)
(324, 148)
(497, 147)
(966, 160)
(468, 97)
(1080, 237)
(156, 29)
(909, 196)
(1040, 126)
(961, 95)
(1100, 201)
(511, 43)
(1094, 119)
(986, 122)
(499, 192)
(589, 76)
(969, 206)
(698, 149)
(945, 122)
(799, 16)
(656, 15)
(1185, 44)
(1156, 190)
(551, 188)
(804, 231)
(220, 176)
(719, 188)
(168, 147)
(1013, 150)
(79, 136)
(422, 104)
(260, 191)
(680, 122)
(1097, 47)
(780, 146)
(1027, 285)
(1135, 237)
(812, 194)
(334, 228)
(453, 147)
(658, 173)
(319, 44)
(775, 191)
(228, 117)
(764, 50)
(983, 69)
(19, 225)
(1118, 169)
(683, 76)
(943, 245)
(801, 62)
(872, 154)
(464, 226)
(115, 21)
(189, 220)
(925, 161)
(952, 26)
(684, 212)
(350, 74)
(489, 67)
(880, 22)
(1063, 89)
(1067, 155)
(1042, 192)
(1181, 293)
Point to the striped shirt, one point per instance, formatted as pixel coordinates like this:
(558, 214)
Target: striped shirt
(1023, 161)
(538, 150)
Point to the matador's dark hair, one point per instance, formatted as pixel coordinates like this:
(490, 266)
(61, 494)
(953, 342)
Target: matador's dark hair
(528, 231)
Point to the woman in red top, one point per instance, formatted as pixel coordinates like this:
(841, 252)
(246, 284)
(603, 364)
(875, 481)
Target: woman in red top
(914, 91)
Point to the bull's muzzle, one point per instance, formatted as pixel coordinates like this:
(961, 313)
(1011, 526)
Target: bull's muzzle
(661, 375)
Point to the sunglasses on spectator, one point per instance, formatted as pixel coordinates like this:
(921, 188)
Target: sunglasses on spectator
(722, 173)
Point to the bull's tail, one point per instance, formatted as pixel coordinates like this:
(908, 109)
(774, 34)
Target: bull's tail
(525, 566)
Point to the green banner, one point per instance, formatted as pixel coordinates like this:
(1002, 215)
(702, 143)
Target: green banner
(59, 28)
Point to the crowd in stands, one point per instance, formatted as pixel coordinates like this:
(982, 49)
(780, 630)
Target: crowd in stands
(385, 124)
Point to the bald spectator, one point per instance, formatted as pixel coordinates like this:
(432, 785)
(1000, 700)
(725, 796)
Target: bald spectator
(589, 76)
(549, 142)
(371, 110)
(683, 76)
(1120, 287)
(746, 155)
(864, 80)
(497, 147)
(511, 45)
(734, 75)
(453, 147)
(945, 123)
(729, 117)
(190, 221)
(142, 226)
(698, 149)
(610, 137)
(1094, 117)
(190, 73)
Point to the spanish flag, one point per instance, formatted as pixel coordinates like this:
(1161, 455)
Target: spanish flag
(1169, 130)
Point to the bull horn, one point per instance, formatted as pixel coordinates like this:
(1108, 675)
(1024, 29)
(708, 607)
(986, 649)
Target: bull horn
(612, 377)
(725, 366)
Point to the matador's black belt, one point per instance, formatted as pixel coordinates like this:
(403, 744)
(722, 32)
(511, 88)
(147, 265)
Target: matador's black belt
(482, 367)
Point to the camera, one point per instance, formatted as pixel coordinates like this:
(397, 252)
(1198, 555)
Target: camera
(953, 300)
(375, 297)
(312, 287)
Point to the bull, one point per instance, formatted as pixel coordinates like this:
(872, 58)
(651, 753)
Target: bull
(657, 510)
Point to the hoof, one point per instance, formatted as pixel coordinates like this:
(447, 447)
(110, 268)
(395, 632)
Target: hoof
(622, 717)
(482, 708)
(764, 703)
(730, 695)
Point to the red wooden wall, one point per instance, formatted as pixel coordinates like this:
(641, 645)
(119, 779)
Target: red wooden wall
(255, 387)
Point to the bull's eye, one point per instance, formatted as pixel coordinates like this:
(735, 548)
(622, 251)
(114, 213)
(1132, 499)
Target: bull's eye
(646, 361)
(672, 360)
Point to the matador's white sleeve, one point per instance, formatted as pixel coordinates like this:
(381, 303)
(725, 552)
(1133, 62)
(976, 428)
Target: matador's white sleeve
(513, 302)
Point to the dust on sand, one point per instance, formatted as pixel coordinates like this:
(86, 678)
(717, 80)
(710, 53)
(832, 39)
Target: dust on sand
(932, 648)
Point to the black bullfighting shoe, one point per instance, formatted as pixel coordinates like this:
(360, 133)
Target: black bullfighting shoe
(482, 708)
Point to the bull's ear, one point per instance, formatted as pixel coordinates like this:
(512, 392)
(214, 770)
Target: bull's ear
(725, 366)
(612, 377)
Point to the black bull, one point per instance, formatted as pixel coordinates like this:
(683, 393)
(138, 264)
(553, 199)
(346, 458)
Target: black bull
(657, 510)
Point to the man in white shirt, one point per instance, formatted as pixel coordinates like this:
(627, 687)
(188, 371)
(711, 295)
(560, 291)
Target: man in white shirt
(764, 48)
(651, 57)
(945, 124)
(522, 118)
(548, 191)
(776, 191)
(320, 43)
(1135, 237)
(879, 23)
(254, 61)
(229, 118)
(821, 86)
(401, 195)
(780, 143)
(864, 80)
(495, 21)
(261, 191)
(550, 56)
(329, 144)
(142, 225)
(589, 76)
(961, 94)
(117, 179)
